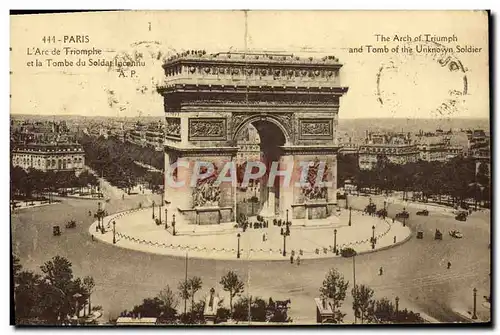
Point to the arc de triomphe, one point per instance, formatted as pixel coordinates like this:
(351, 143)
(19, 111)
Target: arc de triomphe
(293, 103)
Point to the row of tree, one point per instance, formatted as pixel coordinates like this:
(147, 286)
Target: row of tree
(165, 305)
(26, 184)
(116, 161)
(366, 308)
(334, 289)
(457, 178)
(53, 297)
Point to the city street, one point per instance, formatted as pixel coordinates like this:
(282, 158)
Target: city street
(415, 271)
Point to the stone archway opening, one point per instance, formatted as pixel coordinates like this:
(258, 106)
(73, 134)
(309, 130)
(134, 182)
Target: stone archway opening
(258, 141)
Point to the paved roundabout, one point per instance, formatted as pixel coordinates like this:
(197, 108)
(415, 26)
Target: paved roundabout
(414, 271)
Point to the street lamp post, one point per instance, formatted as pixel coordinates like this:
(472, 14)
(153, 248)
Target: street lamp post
(350, 210)
(284, 243)
(114, 232)
(335, 240)
(474, 316)
(345, 200)
(99, 215)
(287, 216)
(373, 237)
(173, 224)
(238, 252)
(100, 218)
(354, 278)
(397, 306)
(153, 210)
(159, 213)
(404, 221)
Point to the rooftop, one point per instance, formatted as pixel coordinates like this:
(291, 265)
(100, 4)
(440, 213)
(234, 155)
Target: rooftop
(251, 57)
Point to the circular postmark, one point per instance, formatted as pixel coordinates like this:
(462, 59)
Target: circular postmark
(424, 78)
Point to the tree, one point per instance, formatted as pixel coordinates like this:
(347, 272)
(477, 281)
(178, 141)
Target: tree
(384, 310)
(257, 309)
(170, 303)
(483, 174)
(184, 291)
(58, 271)
(58, 289)
(26, 296)
(150, 307)
(88, 285)
(194, 285)
(232, 284)
(335, 287)
(363, 303)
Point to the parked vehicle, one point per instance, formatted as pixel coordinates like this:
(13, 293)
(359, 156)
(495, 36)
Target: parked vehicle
(438, 235)
(420, 234)
(348, 252)
(456, 234)
(56, 231)
(382, 213)
(371, 208)
(425, 212)
(462, 216)
(402, 215)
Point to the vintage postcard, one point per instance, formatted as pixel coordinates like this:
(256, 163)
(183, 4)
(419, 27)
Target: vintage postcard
(250, 168)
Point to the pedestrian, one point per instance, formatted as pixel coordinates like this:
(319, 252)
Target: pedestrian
(123, 196)
(90, 213)
(298, 260)
(92, 237)
(264, 237)
(291, 259)
(380, 271)
(449, 265)
(394, 239)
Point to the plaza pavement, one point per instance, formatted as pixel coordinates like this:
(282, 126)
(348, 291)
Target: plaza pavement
(136, 230)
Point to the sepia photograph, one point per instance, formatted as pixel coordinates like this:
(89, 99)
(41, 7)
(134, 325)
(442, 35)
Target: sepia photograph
(250, 168)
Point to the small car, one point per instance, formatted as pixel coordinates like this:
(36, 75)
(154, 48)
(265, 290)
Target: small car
(403, 214)
(382, 212)
(371, 208)
(425, 212)
(462, 216)
(420, 234)
(438, 235)
(456, 234)
(56, 231)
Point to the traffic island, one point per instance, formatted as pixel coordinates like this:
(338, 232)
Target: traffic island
(136, 230)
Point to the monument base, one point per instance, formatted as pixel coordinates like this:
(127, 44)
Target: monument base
(207, 215)
(313, 210)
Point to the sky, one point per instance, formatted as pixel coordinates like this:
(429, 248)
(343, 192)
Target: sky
(411, 86)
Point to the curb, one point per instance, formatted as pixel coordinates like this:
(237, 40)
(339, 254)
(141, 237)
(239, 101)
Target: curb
(406, 239)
